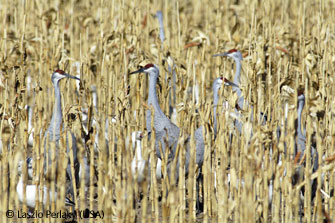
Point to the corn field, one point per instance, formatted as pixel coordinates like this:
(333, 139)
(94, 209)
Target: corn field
(247, 176)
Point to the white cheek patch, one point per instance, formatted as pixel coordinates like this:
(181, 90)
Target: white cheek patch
(59, 76)
(150, 69)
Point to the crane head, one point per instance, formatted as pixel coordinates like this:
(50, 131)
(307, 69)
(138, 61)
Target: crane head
(139, 135)
(136, 136)
(60, 74)
(300, 92)
(29, 162)
(149, 69)
(218, 81)
(233, 53)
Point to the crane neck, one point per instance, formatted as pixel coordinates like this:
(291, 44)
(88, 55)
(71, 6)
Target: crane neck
(237, 76)
(215, 103)
(56, 119)
(138, 150)
(19, 186)
(95, 100)
(20, 183)
(301, 104)
(30, 118)
(152, 97)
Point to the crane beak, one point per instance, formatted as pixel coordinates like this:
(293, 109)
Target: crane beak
(72, 77)
(229, 83)
(138, 71)
(220, 55)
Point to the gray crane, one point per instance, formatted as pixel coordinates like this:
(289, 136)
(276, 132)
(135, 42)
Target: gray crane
(163, 125)
(165, 130)
(199, 136)
(301, 137)
(200, 132)
(171, 69)
(237, 57)
(217, 83)
(159, 16)
(300, 147)
(54, 129)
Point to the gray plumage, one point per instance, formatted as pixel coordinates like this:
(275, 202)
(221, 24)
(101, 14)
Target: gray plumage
(301, 137)
(165, 130)
(159, 16)
(54, 129)
(237, 57)
(216, 86)
(199, 134)
(200, 149)
(171, 69)
(301, 147)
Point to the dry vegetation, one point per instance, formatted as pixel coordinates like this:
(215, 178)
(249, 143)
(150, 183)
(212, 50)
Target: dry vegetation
(287, 45)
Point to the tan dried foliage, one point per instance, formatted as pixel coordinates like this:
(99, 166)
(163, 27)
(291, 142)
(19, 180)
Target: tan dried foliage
(253, 176)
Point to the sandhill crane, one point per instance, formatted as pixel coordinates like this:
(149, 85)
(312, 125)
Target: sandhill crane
(54, 129)
(171, 69)
(164, 128)
(237, 57)
(300, 145)
(301, 137)
(199, 133)
(162, 124)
